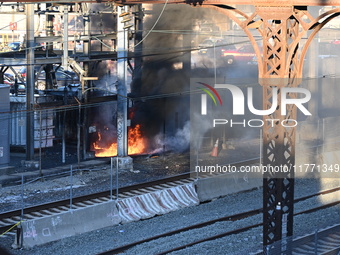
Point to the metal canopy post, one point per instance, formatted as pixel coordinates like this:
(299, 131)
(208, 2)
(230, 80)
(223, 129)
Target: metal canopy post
(279, 70)
(281, 26)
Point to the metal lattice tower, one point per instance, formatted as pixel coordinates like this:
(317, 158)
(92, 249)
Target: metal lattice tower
(282, 27)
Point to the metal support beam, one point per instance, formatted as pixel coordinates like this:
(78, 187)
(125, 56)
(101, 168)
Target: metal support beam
(49, 48)
(1, 77)
(122, 44)
(49, 28)
(186, 58)
(313, 69)
(65, 38)
(280, 65)
(86, 43)
(279, 69)
(86, 83)
(30, 82)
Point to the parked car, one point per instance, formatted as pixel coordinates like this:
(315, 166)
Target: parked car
(253, 61)
(23, 70)
(8, 78)
(14, 46)
(336, 41)
(208, 46)
(244, 54)
(60, 78)
(16, 87)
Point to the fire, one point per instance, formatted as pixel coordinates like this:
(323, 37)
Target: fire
(136, 144)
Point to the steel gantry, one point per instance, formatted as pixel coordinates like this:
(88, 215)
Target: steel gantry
(280, 61)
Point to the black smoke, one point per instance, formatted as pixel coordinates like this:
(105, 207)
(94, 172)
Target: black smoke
(161, 90)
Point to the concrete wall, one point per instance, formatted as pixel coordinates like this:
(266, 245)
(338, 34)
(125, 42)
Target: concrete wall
(4, 124)
(58, 226)
(224, 184)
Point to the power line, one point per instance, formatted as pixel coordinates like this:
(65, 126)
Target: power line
(139, 98)
(160, 15)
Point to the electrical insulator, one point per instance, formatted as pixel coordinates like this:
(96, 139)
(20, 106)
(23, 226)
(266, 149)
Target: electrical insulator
(127, 19)
(127, 26)
(124, 14)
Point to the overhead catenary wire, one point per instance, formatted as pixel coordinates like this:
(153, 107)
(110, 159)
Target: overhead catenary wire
(167, 51)
(154, 25)
(148, 33)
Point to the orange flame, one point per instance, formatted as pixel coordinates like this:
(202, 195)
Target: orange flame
(136, 144)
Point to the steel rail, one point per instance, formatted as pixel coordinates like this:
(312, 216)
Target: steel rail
(79, 199)
(326, 243)
(93, 196)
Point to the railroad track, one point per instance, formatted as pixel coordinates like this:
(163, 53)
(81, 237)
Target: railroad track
(12, 218)
(324, 242)
(328, 242)
(234, 217)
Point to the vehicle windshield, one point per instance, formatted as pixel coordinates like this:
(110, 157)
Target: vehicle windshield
(14, 45)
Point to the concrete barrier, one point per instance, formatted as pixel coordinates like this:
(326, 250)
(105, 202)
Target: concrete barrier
(180, 196)
(224, 184)
(330, 158)
(329, 165)
(136, 208)
(157, 203)
(66, 224)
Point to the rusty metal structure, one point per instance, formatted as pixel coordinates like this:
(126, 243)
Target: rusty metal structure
(282, 24)
(282, 27)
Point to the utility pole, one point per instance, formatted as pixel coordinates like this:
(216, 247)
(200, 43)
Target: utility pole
(30, 82)
(87, 42)
(49, 47)
(124, 161)
(65, 38)
(86, 83)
